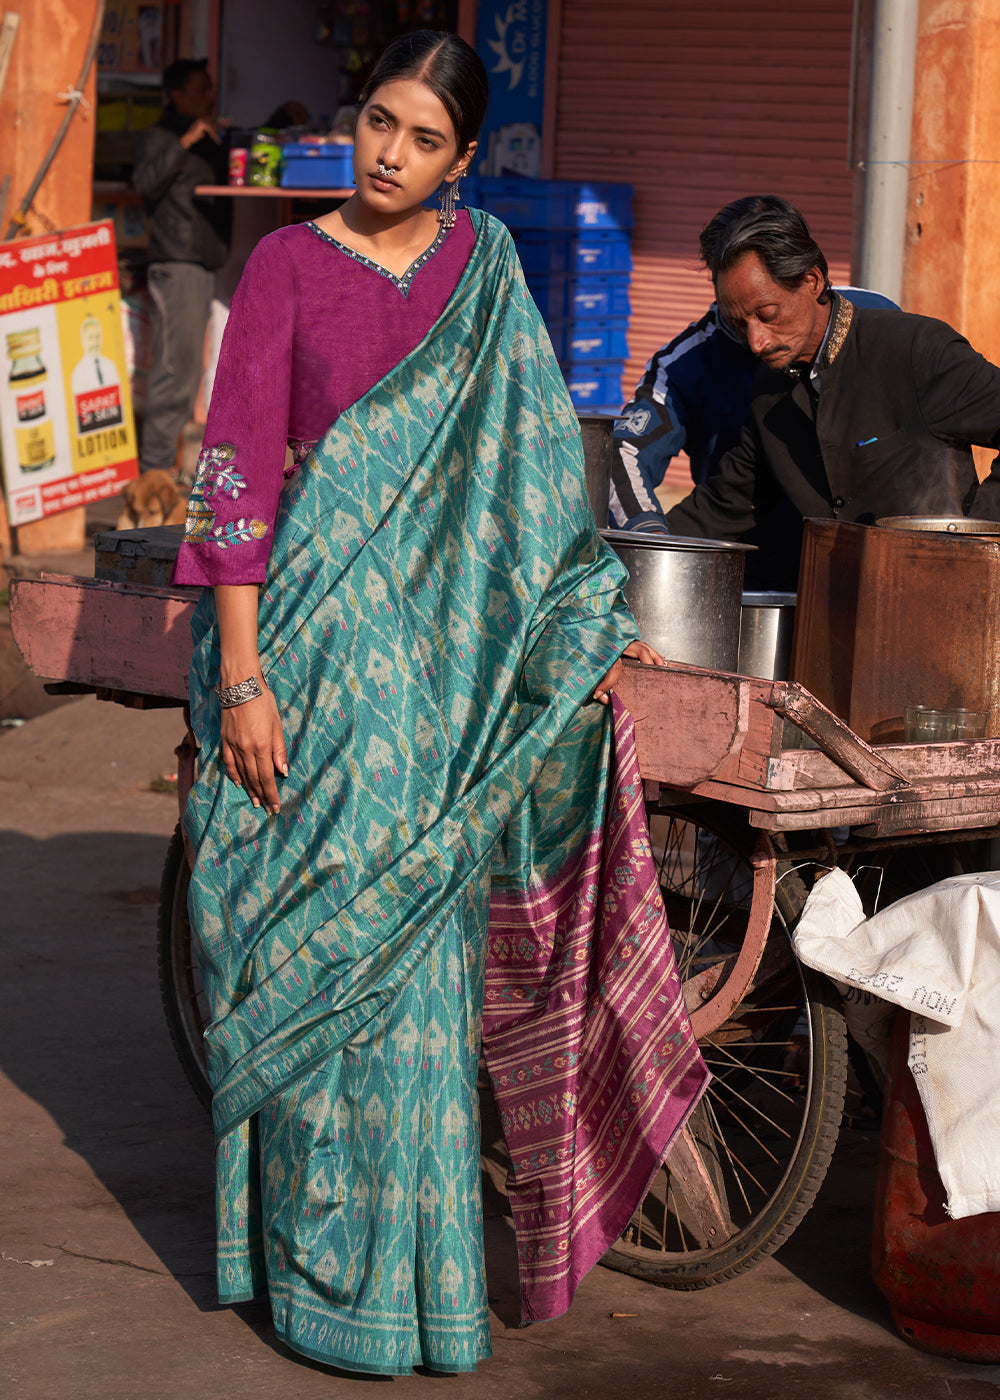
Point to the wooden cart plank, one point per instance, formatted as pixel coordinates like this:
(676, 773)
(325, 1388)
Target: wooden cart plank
(113, 636)
(972, 790)
(974, 759)
(839, 742)
(827, 805)
(885, 820)
(708, 733)
(688, 723)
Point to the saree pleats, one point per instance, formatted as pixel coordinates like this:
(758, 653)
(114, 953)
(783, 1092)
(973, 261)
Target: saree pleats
(591, 1055)
(437, 612)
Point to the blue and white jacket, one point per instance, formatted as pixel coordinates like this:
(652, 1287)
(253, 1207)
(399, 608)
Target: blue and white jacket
(694, 395)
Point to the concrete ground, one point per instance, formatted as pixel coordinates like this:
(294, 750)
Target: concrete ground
(106, 1221)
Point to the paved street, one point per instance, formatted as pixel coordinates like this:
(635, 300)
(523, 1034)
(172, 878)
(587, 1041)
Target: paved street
(106, 1276)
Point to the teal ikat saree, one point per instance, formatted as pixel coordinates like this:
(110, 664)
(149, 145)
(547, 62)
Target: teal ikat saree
(437, 612)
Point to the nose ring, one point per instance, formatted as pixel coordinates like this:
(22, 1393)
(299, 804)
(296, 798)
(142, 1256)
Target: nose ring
(387, 171)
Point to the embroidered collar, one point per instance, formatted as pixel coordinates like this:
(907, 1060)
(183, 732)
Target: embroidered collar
(402, 283)
(839, 323)
(841, 316)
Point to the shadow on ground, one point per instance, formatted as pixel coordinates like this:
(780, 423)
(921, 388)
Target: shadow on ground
(84, 1036)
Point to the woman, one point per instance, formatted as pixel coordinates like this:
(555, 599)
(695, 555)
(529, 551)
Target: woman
(393, 645)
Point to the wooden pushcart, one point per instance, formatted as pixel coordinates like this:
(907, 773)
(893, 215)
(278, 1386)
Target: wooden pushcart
(751, 785)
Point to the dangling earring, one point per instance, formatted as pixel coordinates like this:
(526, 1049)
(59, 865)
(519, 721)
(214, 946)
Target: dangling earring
(448, 197)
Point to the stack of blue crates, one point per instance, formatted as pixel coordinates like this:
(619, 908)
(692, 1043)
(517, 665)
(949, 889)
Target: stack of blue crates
(574, 243)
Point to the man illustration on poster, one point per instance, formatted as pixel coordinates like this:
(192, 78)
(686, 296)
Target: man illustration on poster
(95, 383)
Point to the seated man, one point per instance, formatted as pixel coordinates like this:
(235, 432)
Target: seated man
(856, 412)
(694, 396)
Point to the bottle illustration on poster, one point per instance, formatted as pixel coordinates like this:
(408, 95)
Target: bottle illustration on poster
(28, 387)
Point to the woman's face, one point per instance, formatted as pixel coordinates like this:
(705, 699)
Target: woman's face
(405, 128)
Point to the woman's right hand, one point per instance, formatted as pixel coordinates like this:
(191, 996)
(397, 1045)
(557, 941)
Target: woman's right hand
(253, 744)
(253, 748)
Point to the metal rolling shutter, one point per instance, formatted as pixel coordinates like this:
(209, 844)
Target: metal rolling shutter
(696, 105)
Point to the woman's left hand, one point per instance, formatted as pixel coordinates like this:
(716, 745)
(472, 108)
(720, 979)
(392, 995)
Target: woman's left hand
(639, 651)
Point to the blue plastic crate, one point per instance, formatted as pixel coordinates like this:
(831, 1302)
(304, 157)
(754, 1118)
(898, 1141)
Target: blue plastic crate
(310, 165)
(594, 294)
(566, 204)
(576, 341)
(603, 250)
(598, 294)
(595, 386)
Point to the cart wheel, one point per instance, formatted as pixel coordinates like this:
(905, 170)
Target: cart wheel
(757, 1147)
(180, 981)
(883, 874)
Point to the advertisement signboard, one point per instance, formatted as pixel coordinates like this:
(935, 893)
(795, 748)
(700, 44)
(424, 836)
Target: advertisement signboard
(66, 426)
(131, 38)
(510, 39)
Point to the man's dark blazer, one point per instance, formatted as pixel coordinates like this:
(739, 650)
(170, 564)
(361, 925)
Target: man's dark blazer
(886, 430)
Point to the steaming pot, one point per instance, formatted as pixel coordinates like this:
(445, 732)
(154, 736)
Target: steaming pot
(945, 524)
(685, 595)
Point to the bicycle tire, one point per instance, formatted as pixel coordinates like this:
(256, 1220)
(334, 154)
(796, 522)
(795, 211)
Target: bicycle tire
(180, 981)
(767, 1218)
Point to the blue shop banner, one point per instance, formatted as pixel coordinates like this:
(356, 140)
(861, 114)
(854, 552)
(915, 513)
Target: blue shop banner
(510, 39)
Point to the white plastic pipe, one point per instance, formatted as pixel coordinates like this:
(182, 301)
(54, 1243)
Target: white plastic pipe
(887, 168)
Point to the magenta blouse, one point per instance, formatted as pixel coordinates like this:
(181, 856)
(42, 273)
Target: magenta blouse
(312, 327)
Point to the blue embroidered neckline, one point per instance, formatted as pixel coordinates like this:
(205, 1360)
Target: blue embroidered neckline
(402, 283)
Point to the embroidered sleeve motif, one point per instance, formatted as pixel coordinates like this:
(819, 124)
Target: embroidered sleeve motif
(238, 532)
(217, 475)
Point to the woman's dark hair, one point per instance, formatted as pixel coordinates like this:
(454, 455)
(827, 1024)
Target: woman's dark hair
(452, 70)
(772, 228)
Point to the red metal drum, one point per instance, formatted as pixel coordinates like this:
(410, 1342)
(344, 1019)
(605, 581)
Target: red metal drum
(940, 1276)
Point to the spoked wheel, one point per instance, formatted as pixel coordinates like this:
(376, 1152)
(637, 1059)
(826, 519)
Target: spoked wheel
(184, 1000)
(756, 1149)
(883, 873)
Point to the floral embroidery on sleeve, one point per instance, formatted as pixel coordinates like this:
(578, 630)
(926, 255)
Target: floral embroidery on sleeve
(238, 532)
(217, 476)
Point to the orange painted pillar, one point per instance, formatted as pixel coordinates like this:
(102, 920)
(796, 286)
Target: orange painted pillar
(951, 269)
(48, 53)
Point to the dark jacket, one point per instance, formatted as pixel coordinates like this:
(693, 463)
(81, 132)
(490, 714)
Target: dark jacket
(183, 228)
(694, 395)
(885, 431)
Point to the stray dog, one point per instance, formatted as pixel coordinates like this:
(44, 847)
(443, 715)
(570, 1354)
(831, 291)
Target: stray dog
(151, 499)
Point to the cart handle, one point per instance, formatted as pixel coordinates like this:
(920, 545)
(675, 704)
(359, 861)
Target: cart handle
(836, 739)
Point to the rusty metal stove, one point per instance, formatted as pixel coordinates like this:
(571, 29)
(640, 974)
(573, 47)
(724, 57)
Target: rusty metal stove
(888, 618)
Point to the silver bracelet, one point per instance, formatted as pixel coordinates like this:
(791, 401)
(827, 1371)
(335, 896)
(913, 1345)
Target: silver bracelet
(233, 695)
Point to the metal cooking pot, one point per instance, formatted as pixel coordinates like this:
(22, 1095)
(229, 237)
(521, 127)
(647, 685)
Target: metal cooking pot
(685, 595)
(767, 620)
(598, 452)
(944, 524)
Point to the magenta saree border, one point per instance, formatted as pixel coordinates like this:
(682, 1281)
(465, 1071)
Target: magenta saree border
(590, 1050)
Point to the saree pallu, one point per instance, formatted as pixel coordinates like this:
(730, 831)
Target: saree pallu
(437, 612)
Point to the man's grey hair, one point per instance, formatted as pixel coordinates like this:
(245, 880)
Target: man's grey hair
(772, 228)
